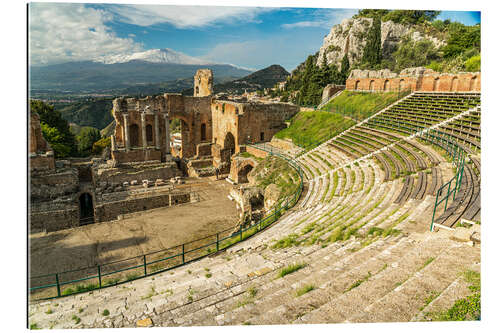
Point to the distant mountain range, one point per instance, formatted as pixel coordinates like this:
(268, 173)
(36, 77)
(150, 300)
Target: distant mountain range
(262, 79)
(112, 74)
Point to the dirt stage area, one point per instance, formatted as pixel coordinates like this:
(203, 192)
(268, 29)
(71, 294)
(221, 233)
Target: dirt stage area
(137, 234)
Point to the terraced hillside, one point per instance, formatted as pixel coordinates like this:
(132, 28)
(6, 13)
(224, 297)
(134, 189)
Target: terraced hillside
(356, 248)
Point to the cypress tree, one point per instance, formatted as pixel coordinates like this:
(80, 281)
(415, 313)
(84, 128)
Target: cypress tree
(344, 68)
(373, 52)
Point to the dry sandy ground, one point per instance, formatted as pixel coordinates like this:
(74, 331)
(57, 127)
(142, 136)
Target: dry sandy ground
(149, 231)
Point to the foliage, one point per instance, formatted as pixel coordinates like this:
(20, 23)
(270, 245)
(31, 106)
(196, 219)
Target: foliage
(310, 127)
(372, 54)
(99, 145)
(399, 16)
(461, 39)
(86, 139)
(473, 64)
(305, 289)
(412, 53)
(95, 112)
(55, 129)
(308, 80)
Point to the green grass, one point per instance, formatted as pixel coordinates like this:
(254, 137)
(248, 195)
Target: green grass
(468, 308)
(76, 319)
(291, 269)
(49, 311)
(208, 275)
(309, 128)
(305, 289)
(105, 312)
(34, 326)
(288, 241)
(80, 288)
(360, 105)
(110, 282)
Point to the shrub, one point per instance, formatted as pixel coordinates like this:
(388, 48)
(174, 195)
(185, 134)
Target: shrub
(473, 64)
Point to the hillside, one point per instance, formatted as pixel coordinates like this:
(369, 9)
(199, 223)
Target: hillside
(379, 39)
(262, 79)
(95, 112)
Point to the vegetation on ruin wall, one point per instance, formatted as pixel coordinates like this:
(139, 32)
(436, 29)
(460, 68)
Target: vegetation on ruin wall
(275, 170)
(360, 105)
(312, 127)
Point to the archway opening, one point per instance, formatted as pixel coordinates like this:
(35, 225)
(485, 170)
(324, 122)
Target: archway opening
(229, 148)
(149, 134)
(402, 84)
(243, 173)
(203, 132)
(86, 209)
(435, 84)
(134, 135)
(454, 84)
(473, 82)
(372, 84)
(356, 85)
(386, 85)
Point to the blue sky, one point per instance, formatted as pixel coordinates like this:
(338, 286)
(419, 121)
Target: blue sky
(252, 37)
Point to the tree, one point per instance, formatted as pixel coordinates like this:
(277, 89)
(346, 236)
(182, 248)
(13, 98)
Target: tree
(344, 68)
(55, 129)
(372, 54)
(86, 139)
(413, 54)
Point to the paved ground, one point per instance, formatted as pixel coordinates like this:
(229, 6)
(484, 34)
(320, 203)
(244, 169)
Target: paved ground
(146, 232)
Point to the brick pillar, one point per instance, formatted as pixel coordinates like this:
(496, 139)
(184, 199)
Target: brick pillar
(125, 128)
(157, 132)
(167, 135)
(143, 130)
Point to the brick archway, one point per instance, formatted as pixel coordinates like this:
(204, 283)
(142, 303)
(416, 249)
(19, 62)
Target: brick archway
(240, 168)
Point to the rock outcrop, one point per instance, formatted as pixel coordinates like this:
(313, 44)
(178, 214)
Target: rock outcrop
(349, 37)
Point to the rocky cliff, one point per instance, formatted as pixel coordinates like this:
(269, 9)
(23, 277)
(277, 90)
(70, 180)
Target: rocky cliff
(350, 37)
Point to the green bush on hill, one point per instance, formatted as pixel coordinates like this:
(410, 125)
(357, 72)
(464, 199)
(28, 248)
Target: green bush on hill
(310, 128)
(86, 139)
(99, 145)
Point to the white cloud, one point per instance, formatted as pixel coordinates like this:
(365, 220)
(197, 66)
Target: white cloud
(323, 18)
(184, 16)
(61, 32)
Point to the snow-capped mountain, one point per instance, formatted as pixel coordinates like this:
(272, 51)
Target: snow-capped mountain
(160, 56)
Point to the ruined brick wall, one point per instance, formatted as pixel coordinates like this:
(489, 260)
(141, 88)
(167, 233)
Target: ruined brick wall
(203, 83)
(415, 79)
(119, 174)
(240, 167)
(109, 211)
(330, 90)
(256, 152)
(53, 220)
(41, 155)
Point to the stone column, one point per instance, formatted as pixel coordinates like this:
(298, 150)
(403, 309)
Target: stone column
(125, 127)
(113, 143)
(157, 132)
(167, 134)
(143, 129)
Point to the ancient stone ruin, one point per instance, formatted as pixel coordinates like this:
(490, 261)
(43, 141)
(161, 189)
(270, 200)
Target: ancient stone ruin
(74, 192)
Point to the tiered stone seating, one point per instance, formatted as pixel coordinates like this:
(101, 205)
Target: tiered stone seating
(350, 230)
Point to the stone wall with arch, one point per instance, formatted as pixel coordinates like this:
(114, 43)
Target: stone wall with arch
(415, 79)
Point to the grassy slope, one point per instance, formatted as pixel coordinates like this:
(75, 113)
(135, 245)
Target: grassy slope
(311, 127)
(360, 105)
